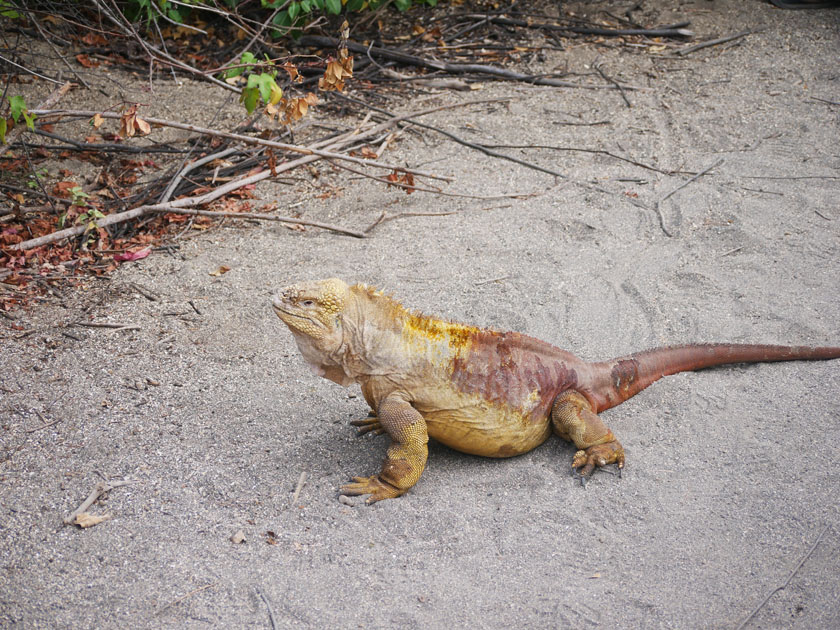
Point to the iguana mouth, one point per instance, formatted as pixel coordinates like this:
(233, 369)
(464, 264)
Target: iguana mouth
(283, 311)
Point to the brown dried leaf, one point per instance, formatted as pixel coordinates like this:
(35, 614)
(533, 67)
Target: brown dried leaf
(86, 61)
(142, 126)
(292, 70)
(223, 269)
(86, 519)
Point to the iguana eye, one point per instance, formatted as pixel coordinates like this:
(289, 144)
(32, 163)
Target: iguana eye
(307, 302)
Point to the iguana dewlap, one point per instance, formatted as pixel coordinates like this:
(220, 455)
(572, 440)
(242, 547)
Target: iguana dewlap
(476, 390)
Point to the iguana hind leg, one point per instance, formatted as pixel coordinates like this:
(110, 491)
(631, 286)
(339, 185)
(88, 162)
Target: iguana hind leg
(574, 420)
(405, 458)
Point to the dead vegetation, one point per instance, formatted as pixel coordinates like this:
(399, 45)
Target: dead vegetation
(149, 189)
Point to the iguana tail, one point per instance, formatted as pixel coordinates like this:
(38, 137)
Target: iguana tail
(624, 377)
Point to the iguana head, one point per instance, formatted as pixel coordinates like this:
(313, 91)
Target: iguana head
(313, 309)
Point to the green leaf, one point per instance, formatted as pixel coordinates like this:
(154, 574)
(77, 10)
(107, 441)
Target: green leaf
(248, 57)
(250, 97)
(267, 85)
(2, 130)
(305, 6)
(402, 5)
(18, 105)
(282, 19)
(30, 120)
(318, 4)
(355, 5)
(7, 10)
(294, 10)
(333, 6)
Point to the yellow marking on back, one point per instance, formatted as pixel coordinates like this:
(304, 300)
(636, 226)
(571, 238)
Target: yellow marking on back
(437, 339)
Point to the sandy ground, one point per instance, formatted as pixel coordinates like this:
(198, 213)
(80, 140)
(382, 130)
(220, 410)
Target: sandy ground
(732, 473)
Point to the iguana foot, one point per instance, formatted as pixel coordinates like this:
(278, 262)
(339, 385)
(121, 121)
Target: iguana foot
(366, 425)
(585, 461)
(374, 486)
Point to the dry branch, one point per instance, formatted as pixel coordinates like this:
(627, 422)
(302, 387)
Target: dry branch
(452, 68)
(294, 148)
(311, 153)
(674, 30)
(714, 42)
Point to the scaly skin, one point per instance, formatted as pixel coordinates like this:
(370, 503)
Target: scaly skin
(476, 390)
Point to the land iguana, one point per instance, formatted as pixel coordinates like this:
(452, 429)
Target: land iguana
(477, 390)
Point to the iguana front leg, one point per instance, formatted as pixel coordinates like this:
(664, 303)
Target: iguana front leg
(406, 456)
(574, 420)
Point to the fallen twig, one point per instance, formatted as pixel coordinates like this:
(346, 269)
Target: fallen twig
(787, 581)
(452, 68)
(581, 150)
(390, 217)
(656, 205)
(257, 216)
(435, 191)
(714, 42)
(99, 489)
(106, 325)
(192, 166)
(609, 79)
(459, 140)
(674, 30)
(270, 611)
(694, 178)
(245, 139)
(45, 425)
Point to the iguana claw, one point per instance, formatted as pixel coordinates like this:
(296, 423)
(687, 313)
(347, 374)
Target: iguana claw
(585, 461)
(374, 486)
(366, 425)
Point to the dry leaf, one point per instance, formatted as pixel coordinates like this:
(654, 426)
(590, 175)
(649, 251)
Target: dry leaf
(129, 256)
(221, 270)
(294, 75)
(337, 71)
(131, 124)
(86, 61)
(86, 519)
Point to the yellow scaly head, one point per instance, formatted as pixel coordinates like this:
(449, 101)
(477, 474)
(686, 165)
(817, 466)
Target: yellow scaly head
(312, 309)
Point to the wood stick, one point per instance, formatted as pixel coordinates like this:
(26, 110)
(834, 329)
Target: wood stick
(99, 489)
(787, 581)
(714, 42)
(657, 204)
(260, 217)
(271, 618)
(452, 68)
(676, 30)
(692, 179)
(246, 140)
